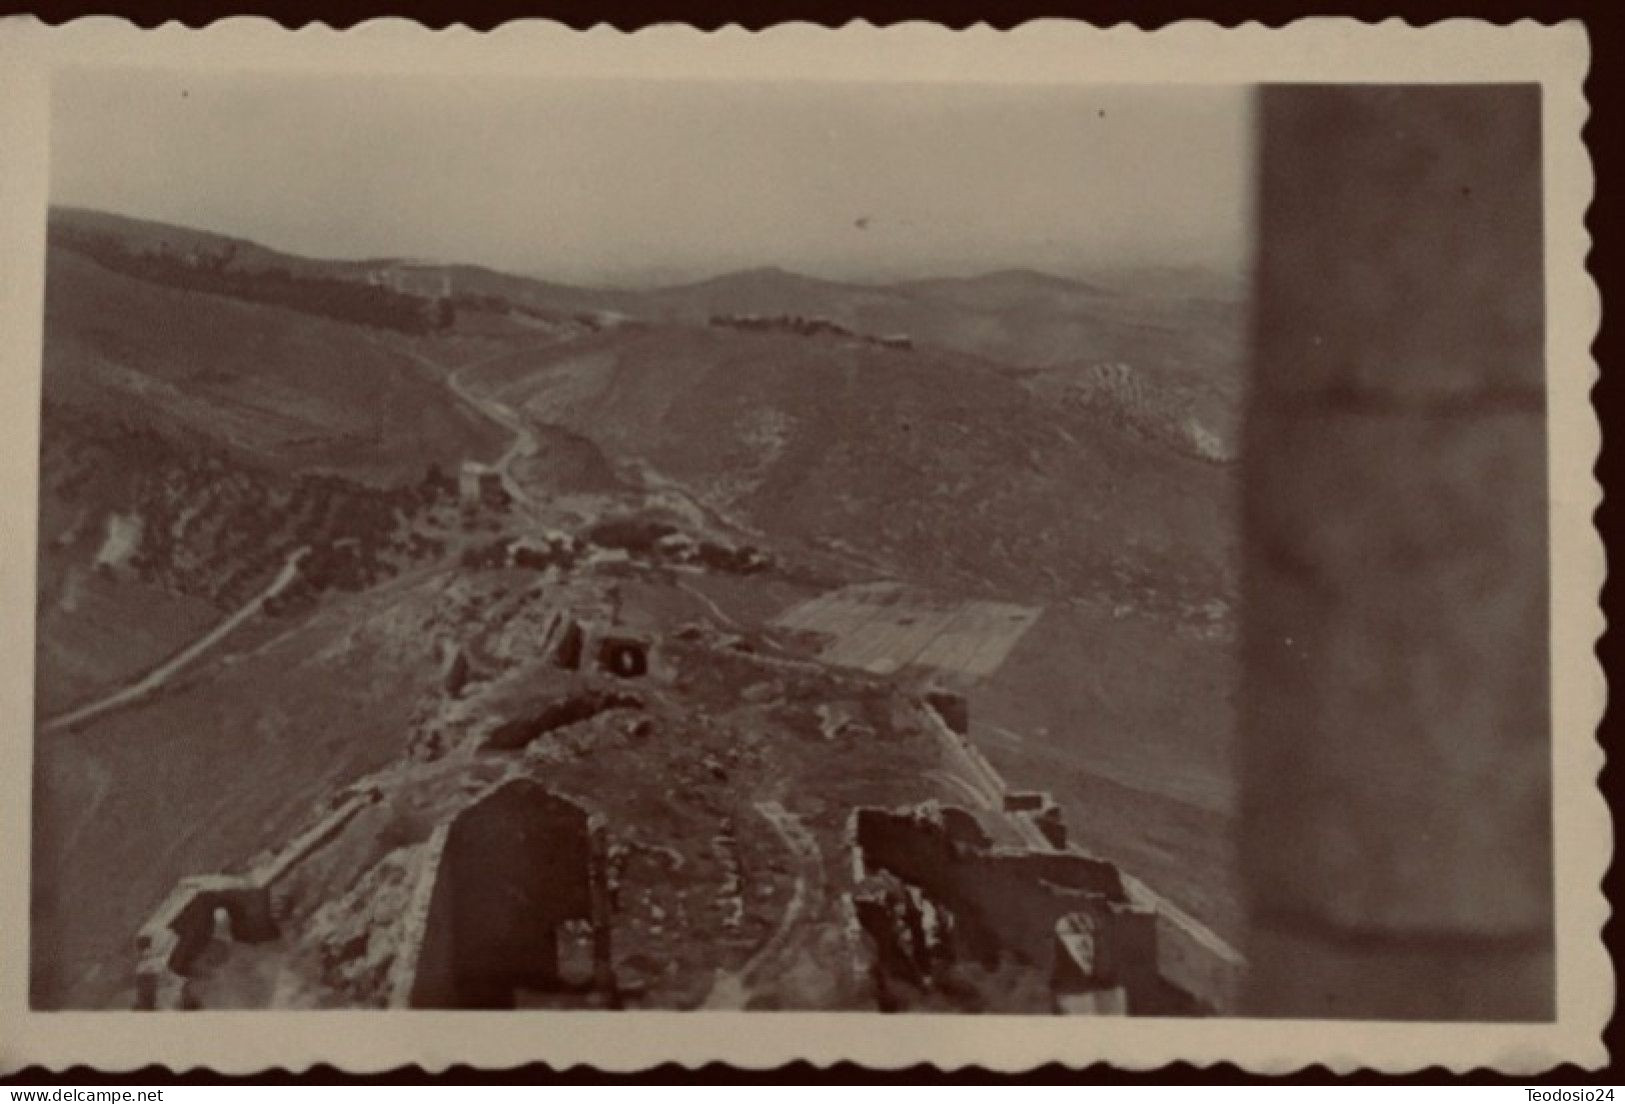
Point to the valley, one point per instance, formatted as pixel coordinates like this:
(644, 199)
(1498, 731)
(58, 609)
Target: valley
(356, 552)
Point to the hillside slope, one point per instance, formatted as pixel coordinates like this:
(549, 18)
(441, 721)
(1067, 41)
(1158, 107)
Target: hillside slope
(190, 442)
(194, 443)
(1180, 337)
(279, 387)
(1016, 316)
(946, 468)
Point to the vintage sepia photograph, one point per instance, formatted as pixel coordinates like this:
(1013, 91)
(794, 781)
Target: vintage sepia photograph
(542, 542)
(608, 545)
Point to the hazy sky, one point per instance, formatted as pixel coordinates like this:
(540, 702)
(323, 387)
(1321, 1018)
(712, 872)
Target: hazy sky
(633, 180)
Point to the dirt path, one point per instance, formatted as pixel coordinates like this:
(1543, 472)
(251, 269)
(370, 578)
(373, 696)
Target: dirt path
(716, 610)
(160, 675)
(525, 443)
(773, 958)
(524, 438)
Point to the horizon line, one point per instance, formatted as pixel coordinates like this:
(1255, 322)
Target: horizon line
(630, 283)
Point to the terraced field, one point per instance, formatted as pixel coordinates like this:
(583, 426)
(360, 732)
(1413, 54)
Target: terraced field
(883, 629)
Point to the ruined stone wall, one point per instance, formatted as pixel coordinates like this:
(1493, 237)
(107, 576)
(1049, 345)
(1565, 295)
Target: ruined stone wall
(968, 763)
(1189, 954)
(183, 925)
(577, 641)
(468, 482)
(495, 886)
(951, 707)
(1009, 899)
(1110, 947)
(517, 864)
(424, 974)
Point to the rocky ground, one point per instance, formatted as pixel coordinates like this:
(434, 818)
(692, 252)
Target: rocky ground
(726, 776)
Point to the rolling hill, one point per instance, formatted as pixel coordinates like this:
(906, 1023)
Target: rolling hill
(280, 388)
(1040, 436)
(1013, 316)
(1026, 443)
(1183, 351)
(942, 465)
(1178, 332)
(191, 441)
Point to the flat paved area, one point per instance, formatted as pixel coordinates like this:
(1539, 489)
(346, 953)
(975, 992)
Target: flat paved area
(885, 629)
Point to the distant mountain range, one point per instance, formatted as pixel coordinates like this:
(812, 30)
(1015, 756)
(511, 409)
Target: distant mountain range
(1191, 281)
(1018, 387)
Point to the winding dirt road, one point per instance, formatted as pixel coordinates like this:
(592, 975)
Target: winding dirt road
(524, 442)
(160, 675)
(524, 438)
(773, 958)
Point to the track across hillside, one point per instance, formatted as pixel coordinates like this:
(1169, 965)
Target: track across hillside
(159, 676)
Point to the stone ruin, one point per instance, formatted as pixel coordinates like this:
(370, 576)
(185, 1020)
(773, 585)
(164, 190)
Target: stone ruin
(510, 904)
(499, 886)
(169, 945)
(481, 485)
(1191, 957)
(605, 647)
(1039, 810)
(932, 889)
(184, 926)
(622, 655)
(951, 706)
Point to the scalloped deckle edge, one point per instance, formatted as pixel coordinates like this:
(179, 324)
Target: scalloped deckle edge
(1190, 52)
